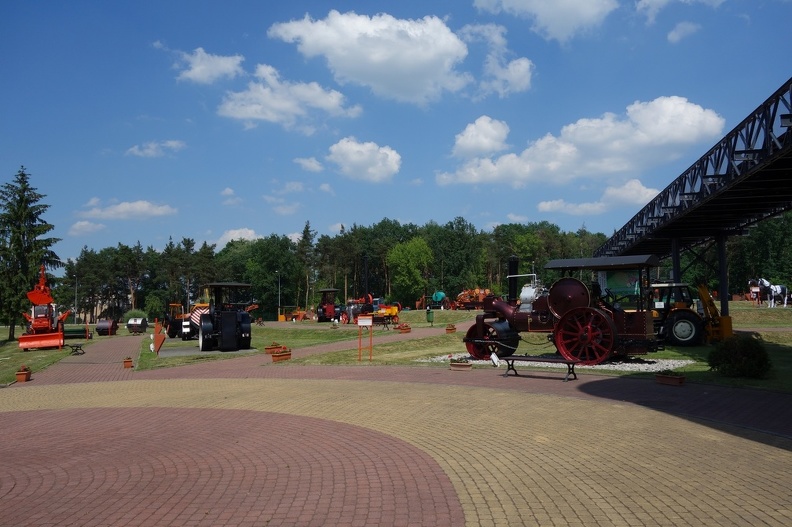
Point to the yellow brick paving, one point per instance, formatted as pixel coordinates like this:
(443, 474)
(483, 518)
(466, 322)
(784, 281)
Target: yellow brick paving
(514, 458)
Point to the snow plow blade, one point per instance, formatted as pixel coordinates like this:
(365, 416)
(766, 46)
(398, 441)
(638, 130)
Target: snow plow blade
(46, 340)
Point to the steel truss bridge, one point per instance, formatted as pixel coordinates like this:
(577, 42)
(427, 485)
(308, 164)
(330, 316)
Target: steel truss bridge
(745, 178)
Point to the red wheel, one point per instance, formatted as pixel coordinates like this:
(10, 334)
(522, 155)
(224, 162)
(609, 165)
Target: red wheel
(585, 334)
(344, 318)
(498, 338)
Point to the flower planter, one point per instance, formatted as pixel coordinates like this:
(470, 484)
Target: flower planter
(277, 357)
(461, 366)
(22, 376)
(405, 330)
(275, 348)
(671, 380)
(128, 363)
(450, 330)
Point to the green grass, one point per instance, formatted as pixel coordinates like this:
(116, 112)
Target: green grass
(773, 325)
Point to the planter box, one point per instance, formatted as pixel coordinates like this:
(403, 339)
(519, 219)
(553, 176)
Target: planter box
(128, 363)
(277, 357)
(405, 330)
(450, 330)
(22, 376)
(461, 366)
(671, 380)
(274, 349)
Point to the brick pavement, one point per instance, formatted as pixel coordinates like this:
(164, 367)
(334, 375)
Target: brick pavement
(248, 442)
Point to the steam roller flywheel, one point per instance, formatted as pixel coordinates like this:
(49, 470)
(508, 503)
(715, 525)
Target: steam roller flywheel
(567, 293)
(499, 338)
(585, 334)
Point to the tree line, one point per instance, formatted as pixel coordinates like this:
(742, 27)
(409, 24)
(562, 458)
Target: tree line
(400, 262)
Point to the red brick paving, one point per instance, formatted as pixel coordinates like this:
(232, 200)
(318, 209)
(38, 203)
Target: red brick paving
(205, 466)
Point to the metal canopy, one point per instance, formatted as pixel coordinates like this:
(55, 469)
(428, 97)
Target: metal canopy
(742, 180)
(605, 263)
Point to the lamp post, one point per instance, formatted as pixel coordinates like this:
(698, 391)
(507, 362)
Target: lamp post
(279, 293)
(75, 299)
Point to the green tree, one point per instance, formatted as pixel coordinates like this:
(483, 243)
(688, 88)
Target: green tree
(409, 263)
(24, 245)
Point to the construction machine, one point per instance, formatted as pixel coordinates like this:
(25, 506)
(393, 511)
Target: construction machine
(45, 325)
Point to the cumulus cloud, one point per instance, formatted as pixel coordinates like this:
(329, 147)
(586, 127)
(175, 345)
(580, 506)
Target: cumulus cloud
(309, 164)
(650, 8)
(501, 76)
(632, 193)
(648, 133)
(204, 68)
(236, 234)
(365, 161)
(482, 137)
(156, 148)
(282, 102)
(126, 210)
(82, 228)
(558, 20)
(411, 61)
(682, 30)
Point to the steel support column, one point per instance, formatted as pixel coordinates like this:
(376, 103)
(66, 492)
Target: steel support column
(723, 269)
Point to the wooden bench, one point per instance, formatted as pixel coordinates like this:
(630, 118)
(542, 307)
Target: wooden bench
(510, 360)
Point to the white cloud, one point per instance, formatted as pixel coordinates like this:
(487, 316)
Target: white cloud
(281, 207)
(282, 102)
(127, 210)
(406, 60)
(309, 164)
(365, 161)
(651, 8)
(482, 137)
(82, 228)
(517, 218)
(648, 134)
(156, 148)
(500, 76)
(682, 30)
(230, 197)
(325, 187)
(631, 193)
(236, 234)
(204, 68)
(292, 186)
(557, 20)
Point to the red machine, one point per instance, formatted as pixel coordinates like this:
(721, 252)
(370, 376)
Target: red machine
(45, 326)
(588, 325)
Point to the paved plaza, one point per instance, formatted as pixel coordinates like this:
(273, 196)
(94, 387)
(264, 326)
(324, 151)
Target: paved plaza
(245, 442)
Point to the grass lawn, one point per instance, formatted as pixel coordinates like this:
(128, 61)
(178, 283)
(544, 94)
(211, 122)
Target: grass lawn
(773, 325)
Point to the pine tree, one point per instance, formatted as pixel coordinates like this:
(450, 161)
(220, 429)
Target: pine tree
(23, 247)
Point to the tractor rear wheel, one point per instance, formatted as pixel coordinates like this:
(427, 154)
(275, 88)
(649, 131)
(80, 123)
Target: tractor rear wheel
(498, 338)
(585, 334)
(205, 341)
(684, 328)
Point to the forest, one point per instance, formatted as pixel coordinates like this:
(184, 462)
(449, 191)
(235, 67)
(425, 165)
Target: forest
(400, 262)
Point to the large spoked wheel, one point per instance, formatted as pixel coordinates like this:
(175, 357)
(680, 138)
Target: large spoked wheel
(585, 334)
(684, 329)
(498, 338)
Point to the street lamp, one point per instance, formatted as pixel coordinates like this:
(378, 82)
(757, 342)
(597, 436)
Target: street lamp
(279, 295)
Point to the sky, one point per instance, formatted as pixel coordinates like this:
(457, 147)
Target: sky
(144, 121)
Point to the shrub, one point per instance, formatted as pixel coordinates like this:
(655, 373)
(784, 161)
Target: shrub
(740, 356)
(134, 313)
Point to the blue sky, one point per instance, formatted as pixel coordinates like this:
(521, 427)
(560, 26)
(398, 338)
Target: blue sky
(143, 120)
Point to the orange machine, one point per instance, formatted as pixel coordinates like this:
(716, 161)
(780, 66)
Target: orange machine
(45, 326)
